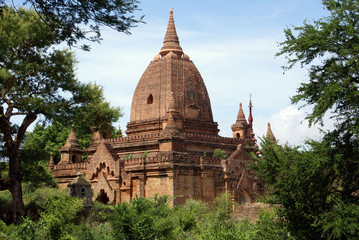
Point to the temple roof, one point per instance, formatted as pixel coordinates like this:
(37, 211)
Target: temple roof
(72, 142)
(240, 117)
(79, 181)
(171, 42)
(171, 82)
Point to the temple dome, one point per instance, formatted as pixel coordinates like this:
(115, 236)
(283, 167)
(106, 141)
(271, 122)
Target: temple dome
(165, 76)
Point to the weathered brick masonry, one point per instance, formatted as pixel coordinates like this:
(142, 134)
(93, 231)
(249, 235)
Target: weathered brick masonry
(170, 141)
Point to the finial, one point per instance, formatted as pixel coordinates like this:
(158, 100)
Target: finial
(171, 42)
(250, 117)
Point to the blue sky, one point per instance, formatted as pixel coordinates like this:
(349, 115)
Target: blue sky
(232, 43)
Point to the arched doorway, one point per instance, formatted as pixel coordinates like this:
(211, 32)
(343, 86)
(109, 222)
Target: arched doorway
(102, 197)
(244, 198)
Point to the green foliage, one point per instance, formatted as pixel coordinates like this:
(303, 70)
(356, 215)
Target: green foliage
(83, 232)
(187, 218)
(67, 20)
(27, 230)
(47, 139)
(143, 218)
(32, 73)
(307, 184)
(129, 156)
(327, 173)
(100, 213)
(219, 154)
(145, 154)
(35, 78)
(59, 217)
(333, 84)
(34, 199)
(96, 114)
(217, 224)
(341, 222)
(267, 227)
(43, 141)
(5, 200)
(3, 230)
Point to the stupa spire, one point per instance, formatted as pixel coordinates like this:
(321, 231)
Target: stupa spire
(270, 134)
(171, 42)
(72, 139)
(240, 116)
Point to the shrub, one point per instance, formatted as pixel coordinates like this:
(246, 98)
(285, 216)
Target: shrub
(60, 216)
(35, 199)
(219, 154)
(143, 218)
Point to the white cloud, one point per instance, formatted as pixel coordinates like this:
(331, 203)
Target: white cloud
(234, 60)
(289, 125)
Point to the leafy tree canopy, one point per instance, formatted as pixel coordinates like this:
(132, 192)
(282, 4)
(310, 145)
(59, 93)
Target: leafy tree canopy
(317, 186)
(330, 48)
(68, 18)
(37, 79)
(48, 137)
(309, 186)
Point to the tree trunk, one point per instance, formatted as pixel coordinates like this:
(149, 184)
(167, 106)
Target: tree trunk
(17, 201)
(15, 186)
(13, 181)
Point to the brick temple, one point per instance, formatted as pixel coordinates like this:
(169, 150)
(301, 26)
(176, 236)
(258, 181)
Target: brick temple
(169, 143)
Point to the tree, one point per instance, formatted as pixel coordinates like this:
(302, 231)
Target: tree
(330, 47)
(68, 18)
(35, 78)
(47, 138)
(317, 184)
(96, 114)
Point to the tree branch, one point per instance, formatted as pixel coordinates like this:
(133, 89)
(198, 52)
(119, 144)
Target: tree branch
(5, 129)
(30, 118)
(5, 184)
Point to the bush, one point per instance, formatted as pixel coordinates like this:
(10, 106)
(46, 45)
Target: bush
(27, 230)
(83, 232)
(35, 199)
(5, 200)
(60, 216)
(100, 213)
(187, 218)
(217, 224)
(143, 218)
